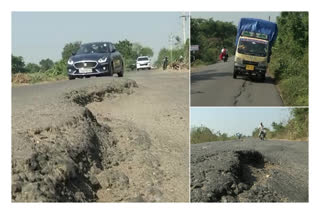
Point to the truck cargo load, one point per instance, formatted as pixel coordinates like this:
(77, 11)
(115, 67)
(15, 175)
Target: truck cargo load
(258, 26)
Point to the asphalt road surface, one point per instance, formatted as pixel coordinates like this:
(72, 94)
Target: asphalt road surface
(214, 85)
(102, 139)
(249, 170)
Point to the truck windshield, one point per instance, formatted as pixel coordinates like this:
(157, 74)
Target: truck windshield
(253, 47)
(93, 48)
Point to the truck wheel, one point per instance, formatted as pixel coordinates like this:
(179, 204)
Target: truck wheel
(234, 74)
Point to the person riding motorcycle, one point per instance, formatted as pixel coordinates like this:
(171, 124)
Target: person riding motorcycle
(165, 63)
(224, 54)
(262, 132)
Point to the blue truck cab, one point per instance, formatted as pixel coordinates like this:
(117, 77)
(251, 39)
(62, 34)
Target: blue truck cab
(254, 41)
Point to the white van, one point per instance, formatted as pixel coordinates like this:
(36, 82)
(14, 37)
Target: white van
(143, 62)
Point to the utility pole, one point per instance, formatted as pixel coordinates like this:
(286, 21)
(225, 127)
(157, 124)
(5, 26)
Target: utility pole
(184, 19)
(171, 41)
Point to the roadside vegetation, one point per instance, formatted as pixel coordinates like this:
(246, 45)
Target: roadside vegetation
(201, 134)
(48, 70)
(295, 129)
(289, 63)
(211, 36)
(178, 49)
(131, 51)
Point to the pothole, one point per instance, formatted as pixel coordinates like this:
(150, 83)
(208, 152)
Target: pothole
(74, 161)
(245, 179)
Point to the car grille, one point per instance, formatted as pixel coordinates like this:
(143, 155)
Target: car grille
(250, 63)
(85, 64)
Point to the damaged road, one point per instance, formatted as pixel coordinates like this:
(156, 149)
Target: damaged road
(213, 85)
(249, 171)
(70, 144)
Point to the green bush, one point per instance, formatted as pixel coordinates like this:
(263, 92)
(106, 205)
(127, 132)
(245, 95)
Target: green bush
(201, 134)
(290, 58)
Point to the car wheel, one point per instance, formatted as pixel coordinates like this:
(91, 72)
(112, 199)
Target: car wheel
(120, 73)
(149, 68)
(71, 77)
(111, 69)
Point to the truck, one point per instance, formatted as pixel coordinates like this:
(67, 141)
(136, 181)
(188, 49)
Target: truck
(254, 41)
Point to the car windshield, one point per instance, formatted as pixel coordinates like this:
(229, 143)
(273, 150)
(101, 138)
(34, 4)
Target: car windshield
(143, 59)
(93, 48)
(253, 47)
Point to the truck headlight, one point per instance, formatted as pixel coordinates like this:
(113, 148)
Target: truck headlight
(238, 61)
(103, 60)
(70, 62)
(262, 64)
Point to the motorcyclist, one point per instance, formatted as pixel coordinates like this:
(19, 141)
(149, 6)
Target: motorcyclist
(224, 52)
(165, 63)
(261, 130)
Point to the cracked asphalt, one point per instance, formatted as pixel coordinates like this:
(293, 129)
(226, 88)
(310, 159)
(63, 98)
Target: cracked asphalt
(213, 85)
(249, 170)
(105, 139)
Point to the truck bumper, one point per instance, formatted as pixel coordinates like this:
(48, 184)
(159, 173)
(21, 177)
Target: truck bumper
(242, 71)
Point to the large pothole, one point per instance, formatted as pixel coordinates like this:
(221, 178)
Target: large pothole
(241, 177)
(85, 160)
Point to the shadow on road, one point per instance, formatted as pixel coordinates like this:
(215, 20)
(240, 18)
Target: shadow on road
(268, 80)
(208, 75)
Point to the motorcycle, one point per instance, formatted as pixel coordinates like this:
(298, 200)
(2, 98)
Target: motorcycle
(225, 58)
(165, 64)
(262, 135)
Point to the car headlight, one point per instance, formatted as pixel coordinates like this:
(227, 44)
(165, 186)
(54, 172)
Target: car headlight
(103, 60)
(70, 62)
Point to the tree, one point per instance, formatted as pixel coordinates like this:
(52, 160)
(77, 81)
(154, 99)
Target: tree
(32, 68)
(46, 64)
(146, 51)
(18, 65)
(125, 48)
(290, 59)
(70, 48)
(211, 36)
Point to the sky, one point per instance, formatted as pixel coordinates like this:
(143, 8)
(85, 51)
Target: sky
(41, 35)
(233, 120)
(235, 16)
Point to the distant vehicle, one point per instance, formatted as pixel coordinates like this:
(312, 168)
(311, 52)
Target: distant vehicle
(225, 58)
(262, 134)
(95, 59)
(143, 62)
(254, 41)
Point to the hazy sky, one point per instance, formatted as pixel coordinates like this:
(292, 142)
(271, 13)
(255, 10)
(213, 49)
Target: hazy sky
(233, 120)
(39, 35)
(235, 16)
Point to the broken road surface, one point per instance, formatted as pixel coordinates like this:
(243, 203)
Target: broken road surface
(249, 171)
(102, 139)
(213, 85)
